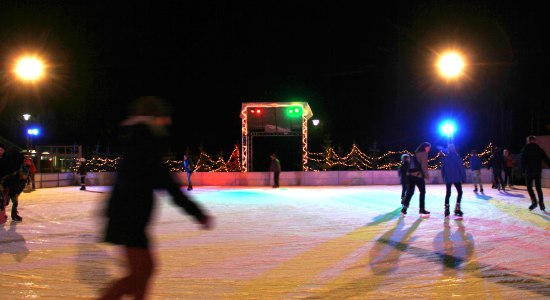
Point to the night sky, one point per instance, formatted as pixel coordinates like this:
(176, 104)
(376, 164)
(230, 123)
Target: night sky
(366, 71)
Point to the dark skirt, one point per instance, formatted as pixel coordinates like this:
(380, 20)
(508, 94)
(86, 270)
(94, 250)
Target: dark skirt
(121, 233)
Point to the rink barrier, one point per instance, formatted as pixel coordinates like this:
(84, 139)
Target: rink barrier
(329, 178)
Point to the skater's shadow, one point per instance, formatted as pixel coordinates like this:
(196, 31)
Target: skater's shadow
(384, 217)
(13, 243)
(545, 215)
(385, 254)
(384, 257)
(454, 249)
(92, 262)
(508, 194)
(482, 196)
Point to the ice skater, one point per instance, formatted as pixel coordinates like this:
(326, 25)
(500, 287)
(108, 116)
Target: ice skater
(11, 187)
(83, 171)
(130, 204)
(402, 172)
(531, 157)
(475, 166)
(418, 173)
(453, 173)
(275, 167)
(188, 167)
(496, 163)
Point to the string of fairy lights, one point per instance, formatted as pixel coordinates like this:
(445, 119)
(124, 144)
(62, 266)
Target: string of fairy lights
(328, 160)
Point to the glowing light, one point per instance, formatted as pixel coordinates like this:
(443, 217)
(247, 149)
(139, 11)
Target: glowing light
(315, 122)
(451, 65)
(33, 131)
(323, 161)
(29, 68)
(448, 128)
(294, 111)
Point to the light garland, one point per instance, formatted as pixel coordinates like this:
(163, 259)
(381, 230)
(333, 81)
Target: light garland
(321, 161)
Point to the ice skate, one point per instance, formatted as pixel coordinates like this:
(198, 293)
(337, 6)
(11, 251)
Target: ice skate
(475, 189)
(403, 211)
(16, 218)
(424, 213)
(458, 213)
(447, 211)
(533, 206)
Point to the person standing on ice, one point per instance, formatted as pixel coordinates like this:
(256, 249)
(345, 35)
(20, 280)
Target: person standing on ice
(82, 172)
(418, 173)
(402, 172)
(453, 173)
(130, 204)
(531, 157)
(275, 167)
(496, 163)
(11, 187)
(188, 168)
(475, 165)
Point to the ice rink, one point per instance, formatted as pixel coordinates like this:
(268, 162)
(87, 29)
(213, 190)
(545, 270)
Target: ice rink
(288, 243)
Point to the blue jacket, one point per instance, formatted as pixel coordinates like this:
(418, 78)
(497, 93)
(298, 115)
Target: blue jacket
(453, 169)
(475, 163)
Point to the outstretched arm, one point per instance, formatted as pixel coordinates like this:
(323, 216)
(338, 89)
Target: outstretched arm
(182, 200)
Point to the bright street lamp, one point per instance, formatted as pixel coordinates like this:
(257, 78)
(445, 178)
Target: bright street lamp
(451, 65)
(448, 128)
(29, 68)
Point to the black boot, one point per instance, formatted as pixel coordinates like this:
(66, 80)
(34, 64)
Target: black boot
(447, 211)
(404, 210)
(16, 218)
(533, 205)
(422, 211)
(458, 212)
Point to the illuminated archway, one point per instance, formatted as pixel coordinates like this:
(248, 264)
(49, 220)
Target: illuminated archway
(273, 119)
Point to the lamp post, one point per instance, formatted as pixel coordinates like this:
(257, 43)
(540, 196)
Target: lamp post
(451, 67)
(29, 69)
(27, 117)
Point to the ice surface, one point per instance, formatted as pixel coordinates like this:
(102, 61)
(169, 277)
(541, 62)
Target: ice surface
(288, 243)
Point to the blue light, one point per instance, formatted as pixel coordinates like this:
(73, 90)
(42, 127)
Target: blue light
(33, 131)
(448, 128)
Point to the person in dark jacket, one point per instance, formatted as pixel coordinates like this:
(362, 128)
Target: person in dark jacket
(531, 157)
(28, 161)
(9, 161)
(130, 204)
(496, 163)
(188, 168)
(453, 173)
(275, 167)
(475, 165)
(402, 172)
(83, 171)
(417, 178)
(11, 187)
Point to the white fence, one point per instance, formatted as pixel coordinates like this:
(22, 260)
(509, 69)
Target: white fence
(330, 178)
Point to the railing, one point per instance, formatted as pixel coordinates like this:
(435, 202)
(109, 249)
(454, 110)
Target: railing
(298, 178)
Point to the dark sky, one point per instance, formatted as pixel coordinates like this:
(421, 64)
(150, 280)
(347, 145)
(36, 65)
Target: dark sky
(367, 71)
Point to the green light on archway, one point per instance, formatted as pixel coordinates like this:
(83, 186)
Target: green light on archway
(294, 111)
